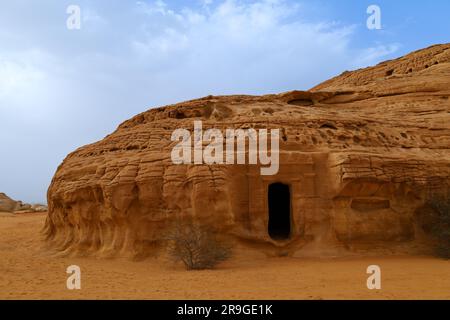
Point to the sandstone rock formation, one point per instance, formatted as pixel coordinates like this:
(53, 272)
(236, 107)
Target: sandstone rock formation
(9, 205)
(358, 153)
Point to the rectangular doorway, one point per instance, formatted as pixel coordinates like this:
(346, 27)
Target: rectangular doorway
(279, 199)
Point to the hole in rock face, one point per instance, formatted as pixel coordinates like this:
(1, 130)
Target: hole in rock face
(328, 125)
(279, 197)
(178, 115)
(301, 102)
(132, 147)
(389, 72)
(268, 110)
(284, 135)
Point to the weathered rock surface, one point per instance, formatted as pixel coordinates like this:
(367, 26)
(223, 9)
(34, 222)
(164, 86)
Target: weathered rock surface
(359, 152)
(7, 204)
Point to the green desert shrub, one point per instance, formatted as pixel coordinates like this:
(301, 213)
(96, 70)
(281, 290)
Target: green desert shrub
(196, 246)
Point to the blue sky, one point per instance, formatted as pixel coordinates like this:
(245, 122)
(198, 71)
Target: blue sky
(61, 89)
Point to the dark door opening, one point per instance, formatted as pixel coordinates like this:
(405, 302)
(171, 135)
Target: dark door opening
(279, 211)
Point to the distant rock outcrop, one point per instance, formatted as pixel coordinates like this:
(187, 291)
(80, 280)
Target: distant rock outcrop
(9, 205)
(39, 208)
(358, 156)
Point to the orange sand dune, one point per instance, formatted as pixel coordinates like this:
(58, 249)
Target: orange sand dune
(28, 272)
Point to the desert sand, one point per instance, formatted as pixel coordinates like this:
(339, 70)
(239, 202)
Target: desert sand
(28, 271)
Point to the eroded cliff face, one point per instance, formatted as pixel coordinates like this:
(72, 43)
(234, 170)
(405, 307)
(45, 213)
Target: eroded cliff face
(359, 154)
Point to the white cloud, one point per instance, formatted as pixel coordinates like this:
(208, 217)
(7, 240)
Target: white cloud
(371, 55)
(17, 75)
(62, 89)
(248, 47)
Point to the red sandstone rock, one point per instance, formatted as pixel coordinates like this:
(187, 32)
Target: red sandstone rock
(360, 153)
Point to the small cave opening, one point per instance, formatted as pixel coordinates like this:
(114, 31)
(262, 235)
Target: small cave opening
(328, 125)
(279, 198)
(301, 102)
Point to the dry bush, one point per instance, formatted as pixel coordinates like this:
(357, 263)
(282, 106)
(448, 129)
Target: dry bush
(440, 229)
(198, 247)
